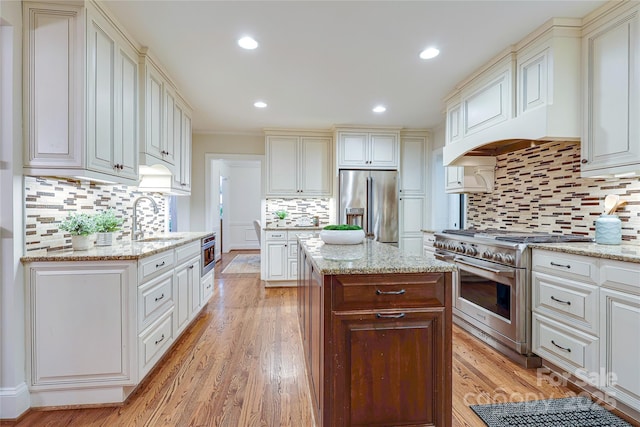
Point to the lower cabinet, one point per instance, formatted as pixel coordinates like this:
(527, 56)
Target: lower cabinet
(96, 328)
(377, 347)
(281, 257)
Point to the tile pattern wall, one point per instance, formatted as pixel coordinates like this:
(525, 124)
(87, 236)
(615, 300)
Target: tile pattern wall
(298, 209)
(540, 188)
(48, 201)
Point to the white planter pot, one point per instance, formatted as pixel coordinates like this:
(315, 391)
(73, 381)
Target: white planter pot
(282, 223)
(342, 237)
(82, 243)
(104, 239)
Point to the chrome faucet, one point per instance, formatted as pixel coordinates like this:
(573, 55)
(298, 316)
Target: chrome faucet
(135, 233)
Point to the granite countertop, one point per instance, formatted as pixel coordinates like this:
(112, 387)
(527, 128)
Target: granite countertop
(624, 252)
(121, 250)
(369, 257)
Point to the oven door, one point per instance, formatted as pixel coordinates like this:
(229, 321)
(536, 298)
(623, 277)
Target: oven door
(493, 298)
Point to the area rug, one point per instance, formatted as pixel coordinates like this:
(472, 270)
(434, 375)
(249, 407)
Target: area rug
(566, 412)
(243, 264)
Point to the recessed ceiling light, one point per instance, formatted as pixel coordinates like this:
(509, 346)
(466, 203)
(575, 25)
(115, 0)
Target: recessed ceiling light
(260, 104)
(379, 109)
(247, 43)
(429, 53)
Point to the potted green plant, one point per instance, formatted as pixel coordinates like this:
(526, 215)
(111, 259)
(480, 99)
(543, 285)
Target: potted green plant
(106, 224)
(81, 226)
(282, 215)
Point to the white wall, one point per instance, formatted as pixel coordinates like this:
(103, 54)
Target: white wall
(14, 396)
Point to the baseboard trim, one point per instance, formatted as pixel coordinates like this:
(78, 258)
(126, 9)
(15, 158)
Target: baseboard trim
(14, 402)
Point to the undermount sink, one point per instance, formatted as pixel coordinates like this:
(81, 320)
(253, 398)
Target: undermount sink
(159, 239)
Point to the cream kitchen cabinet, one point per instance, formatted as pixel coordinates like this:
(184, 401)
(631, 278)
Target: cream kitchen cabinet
(298, 165)
(95, 329)
(181, 179)
(620, 330)
(412, 191)
(368, 149)
(81, 94)
(611, 56)
(281, 257)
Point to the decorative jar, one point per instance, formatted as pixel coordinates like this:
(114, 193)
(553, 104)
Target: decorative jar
(608, 230)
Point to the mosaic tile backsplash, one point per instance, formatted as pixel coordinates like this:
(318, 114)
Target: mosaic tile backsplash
(48, 201)
(298, 210)
(540, 188)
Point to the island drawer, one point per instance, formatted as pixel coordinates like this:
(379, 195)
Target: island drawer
(362, 292)
(154, 297)
(155, 265)
(153, 342)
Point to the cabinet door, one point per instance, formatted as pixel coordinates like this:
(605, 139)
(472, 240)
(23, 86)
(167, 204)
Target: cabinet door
(55, 64)
(127, 130)
(178, 133)
(81, 323)
(454, 177)
(182, 312)
(411, 224)
(185, 153)
(352, 149)
(454, 123)
(413, 165)
(402, 379)
(276, 258)
(315, 166)
(620, 344)
(101, 96)
(195, 288)
(383, 150)
(282, 157)
(611, 137)
(172, 130)
(154, 111)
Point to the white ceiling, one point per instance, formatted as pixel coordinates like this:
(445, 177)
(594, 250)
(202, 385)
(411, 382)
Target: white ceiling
(325, 63)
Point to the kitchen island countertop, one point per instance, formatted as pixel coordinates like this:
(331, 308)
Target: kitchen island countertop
(624, 252)
(369, 257)
(121, 250)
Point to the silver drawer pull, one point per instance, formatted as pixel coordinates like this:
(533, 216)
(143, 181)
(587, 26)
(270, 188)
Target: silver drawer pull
(560, 301)
(159, 298)
(390, 316)
(160, 340)
(560, 265)
(160, 265)
(400, 292)
(568, 350)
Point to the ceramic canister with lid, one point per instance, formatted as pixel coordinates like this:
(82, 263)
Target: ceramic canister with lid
(608, 230)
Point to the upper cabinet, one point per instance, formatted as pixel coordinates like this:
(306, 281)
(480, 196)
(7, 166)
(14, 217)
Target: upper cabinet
(611, 55)
(181, 182)
(378, 149)
(81, 94)
(299, 164)
(531, 91)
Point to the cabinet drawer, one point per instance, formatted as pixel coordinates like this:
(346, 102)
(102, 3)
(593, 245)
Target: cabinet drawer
(622, 276)
(155, 265)
(276, 235)
(154, 342)
(583, 269)
(153, 299)
(185, 252)
(207, 287)
(566, 300)
(354, 292)
(563, 346)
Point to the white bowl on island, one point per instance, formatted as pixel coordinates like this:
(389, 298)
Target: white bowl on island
(342, 237)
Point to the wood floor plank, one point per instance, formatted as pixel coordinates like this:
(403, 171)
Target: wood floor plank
(241, 364)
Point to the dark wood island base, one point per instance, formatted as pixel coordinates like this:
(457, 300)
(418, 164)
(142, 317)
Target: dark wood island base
(377, 344)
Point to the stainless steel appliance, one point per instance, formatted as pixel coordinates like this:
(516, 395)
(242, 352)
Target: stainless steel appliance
(369, 198)
(492, 288)
(208, 253)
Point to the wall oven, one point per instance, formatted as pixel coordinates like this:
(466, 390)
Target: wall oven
(208, 253)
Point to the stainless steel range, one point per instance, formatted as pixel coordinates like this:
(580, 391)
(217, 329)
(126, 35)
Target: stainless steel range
(492, 288)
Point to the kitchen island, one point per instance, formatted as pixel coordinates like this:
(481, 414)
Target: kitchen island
(376, 329)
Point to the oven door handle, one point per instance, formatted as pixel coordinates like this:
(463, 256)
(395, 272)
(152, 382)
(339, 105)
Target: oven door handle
(497, 271)
(444, 257)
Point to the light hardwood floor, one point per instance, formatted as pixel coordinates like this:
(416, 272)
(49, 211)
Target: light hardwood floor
(240, 364)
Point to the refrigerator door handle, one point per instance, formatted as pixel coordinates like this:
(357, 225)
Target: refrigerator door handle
(369, 231)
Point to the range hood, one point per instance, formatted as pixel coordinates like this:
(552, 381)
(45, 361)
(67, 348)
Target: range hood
(527, 95)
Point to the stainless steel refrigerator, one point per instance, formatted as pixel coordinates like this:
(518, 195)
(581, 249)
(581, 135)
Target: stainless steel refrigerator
(369, 198)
